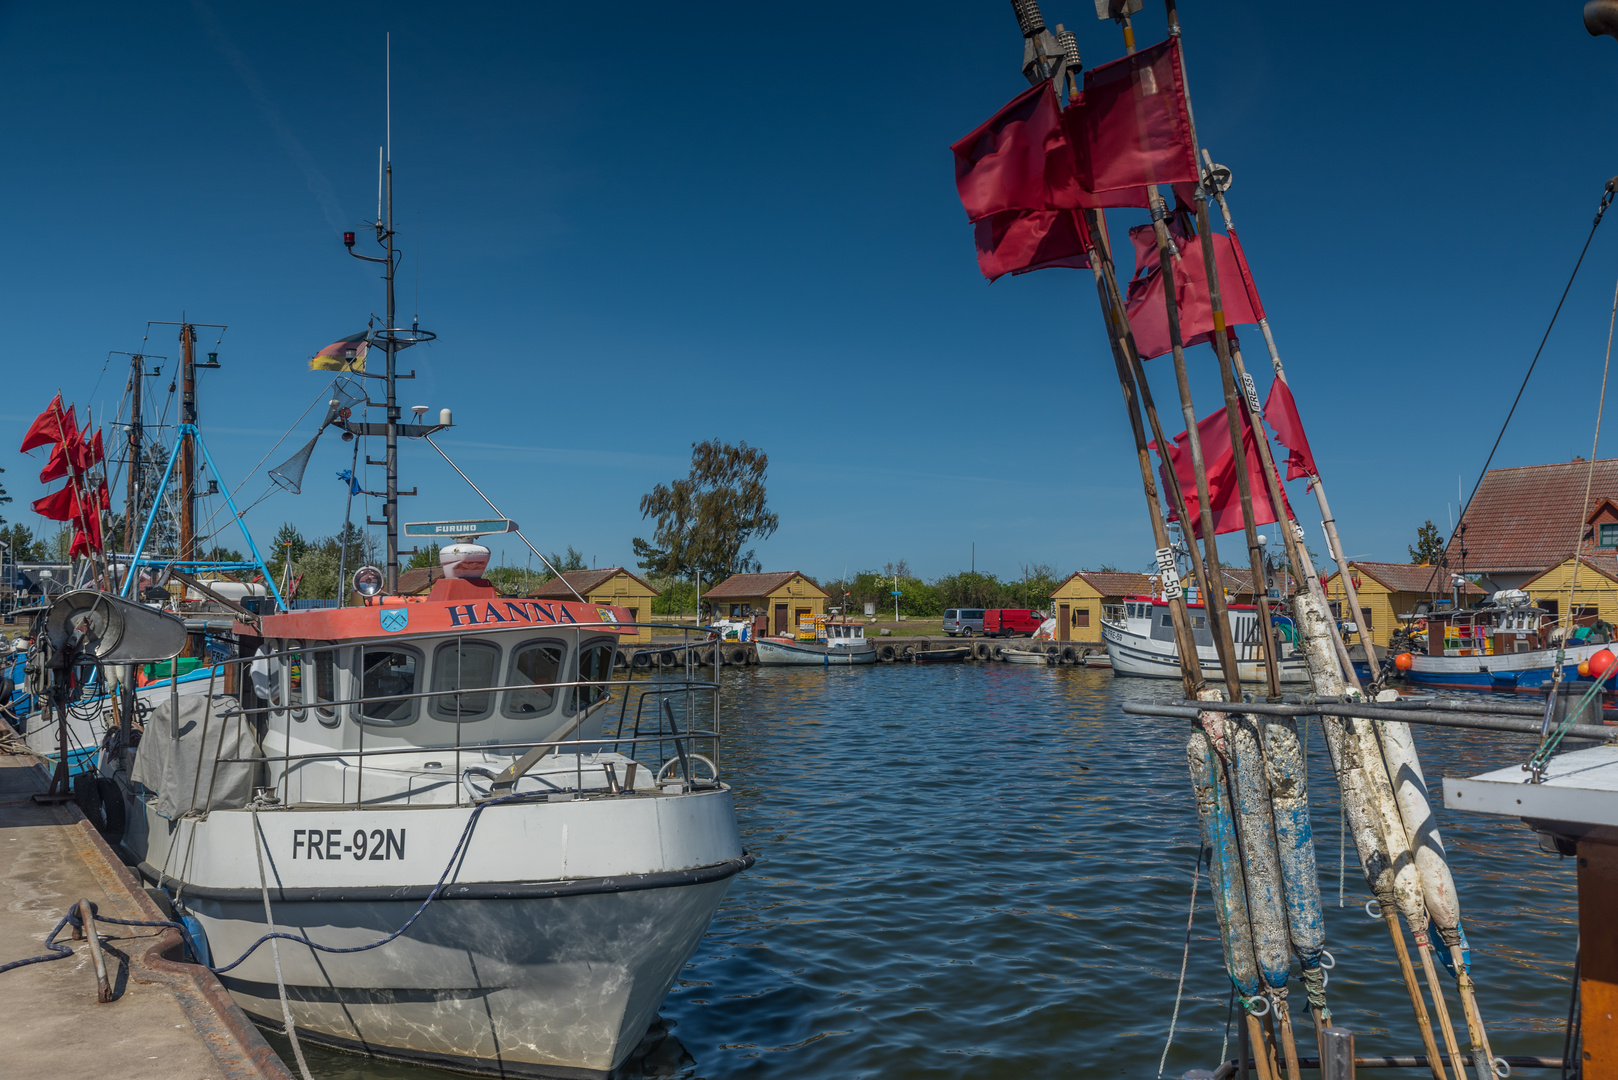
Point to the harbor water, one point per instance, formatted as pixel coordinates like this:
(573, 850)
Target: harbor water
(985, 870)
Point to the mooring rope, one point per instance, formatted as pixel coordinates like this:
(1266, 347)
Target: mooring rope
(1185, 958)
(259, 843)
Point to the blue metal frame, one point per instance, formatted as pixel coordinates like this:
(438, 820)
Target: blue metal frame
(151, 519)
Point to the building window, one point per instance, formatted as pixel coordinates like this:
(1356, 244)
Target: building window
(1609, 535)
(1081, 617)
(1365, 617)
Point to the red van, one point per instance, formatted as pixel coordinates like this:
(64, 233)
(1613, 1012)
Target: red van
(1010, 622)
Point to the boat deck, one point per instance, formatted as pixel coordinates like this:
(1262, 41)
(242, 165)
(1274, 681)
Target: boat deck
(166, 1021)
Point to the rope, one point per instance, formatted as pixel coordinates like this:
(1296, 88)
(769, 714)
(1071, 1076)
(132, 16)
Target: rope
(1589, 479)
(275, 948)
(1601, 210)
(1185, 957)
(1314, 988)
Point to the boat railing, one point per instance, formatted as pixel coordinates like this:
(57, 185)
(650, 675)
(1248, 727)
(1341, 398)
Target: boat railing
(673, 729)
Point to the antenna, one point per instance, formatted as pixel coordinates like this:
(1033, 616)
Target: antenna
(379, 183)
(389, 67)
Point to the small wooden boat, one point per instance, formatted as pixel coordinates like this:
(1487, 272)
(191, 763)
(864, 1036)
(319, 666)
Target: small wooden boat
(942, 656)
(1026, 656)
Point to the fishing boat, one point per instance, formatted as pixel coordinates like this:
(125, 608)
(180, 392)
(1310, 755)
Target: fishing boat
(1505, 644)
(820, 642)
(1139, 635)
(577, 828)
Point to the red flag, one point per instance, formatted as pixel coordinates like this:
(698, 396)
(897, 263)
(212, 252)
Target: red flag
(90, 453)
(1224, 492)
(1018, 241)
(55, 465)
(60, 505)
(1147, 316)
(1247, 275)
(46, 427)
(1281, 412)
(1130, 127)
(87, 538)
(103, 498)
(1017, 160)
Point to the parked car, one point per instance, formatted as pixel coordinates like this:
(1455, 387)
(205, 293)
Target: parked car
(1011, 622)
(963, 621)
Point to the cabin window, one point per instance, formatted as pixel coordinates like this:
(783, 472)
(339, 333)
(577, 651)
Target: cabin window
(1609, 535)
(595, 666)
(537, 666)
(320, 685)
(1168, 620)
(1199, 622)
(465, 666)
(389, 679)
(293, 662)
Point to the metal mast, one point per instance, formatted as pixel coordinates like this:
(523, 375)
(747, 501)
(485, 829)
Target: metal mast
(136, 442)
(188, 415)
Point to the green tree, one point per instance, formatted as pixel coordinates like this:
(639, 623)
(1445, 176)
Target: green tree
(4, 498)
(24, 546)
(424, 558)
(705, 521)
(1429, 544)
(287, 544)
(573, 560)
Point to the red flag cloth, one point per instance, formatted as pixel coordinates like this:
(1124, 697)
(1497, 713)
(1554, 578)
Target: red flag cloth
(55, 465)
(1017, 160)
(103, 498)
(46, 427)
(1130, 127)
(1224, 491)
(58, 505)
(1144, 304)
(1018, 241)
(91, 452)
(1281, 413)
(87, 538)
(1247, 275)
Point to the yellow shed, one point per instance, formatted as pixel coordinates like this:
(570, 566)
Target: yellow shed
(614, 585)
(785, 597)
(1597, 589)
(1078, 602)
(1390, 590)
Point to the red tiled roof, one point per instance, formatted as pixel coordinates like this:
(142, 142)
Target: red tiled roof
(414, 582)
(1409, 577)
(1529, 518)
(1115, 582)
(583, 580)
(748, 586)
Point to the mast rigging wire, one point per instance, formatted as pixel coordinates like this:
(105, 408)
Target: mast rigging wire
(1606, 200)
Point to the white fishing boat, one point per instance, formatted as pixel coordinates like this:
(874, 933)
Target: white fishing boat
(1139, 635)
(570, 831)
(820, 642)
(1026, 656)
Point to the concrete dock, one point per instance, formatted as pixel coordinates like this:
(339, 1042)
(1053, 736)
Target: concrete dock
(167, 1020)
(668, 652)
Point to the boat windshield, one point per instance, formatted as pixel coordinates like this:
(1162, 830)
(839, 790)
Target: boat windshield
(463, 666)
(384, 673)
(538, 664)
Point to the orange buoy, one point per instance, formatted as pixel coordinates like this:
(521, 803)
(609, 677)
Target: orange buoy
(1600, 662)
(1403, 661)
(1584, 669)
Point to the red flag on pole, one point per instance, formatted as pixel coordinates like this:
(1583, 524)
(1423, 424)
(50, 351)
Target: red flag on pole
(102, 498)
(1147, 315)
(1224, 492)
(60, 505)
(87, 538)
(56, 465)
(46, 427)
(90, 452)
(1247, 275)
(1017, 160)
(1281, 413)
(1018, 241)
(1130, 127)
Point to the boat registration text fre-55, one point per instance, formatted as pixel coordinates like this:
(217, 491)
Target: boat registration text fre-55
(377, 845)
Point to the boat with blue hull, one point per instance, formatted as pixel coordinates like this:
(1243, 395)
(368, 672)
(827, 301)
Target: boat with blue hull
(1507, 644)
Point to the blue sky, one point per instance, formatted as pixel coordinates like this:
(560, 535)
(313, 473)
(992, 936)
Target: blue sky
(639, 226)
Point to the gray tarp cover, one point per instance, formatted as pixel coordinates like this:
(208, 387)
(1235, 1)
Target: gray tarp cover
(169, 765)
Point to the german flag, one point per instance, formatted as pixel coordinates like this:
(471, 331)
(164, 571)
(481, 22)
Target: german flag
(348, 354)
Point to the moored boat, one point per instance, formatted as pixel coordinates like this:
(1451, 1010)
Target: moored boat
(942, 656)
(1139, 635)
(1506, 644)
(821, 642)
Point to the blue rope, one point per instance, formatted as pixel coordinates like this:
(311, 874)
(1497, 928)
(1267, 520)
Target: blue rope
(62, 952)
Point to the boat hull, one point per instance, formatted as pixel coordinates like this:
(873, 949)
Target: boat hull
(771, 652)
(1142, 657)
(563, 986)
(547, 954)
(1524, 672)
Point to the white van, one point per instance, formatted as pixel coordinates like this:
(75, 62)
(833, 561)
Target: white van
(963, 621)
